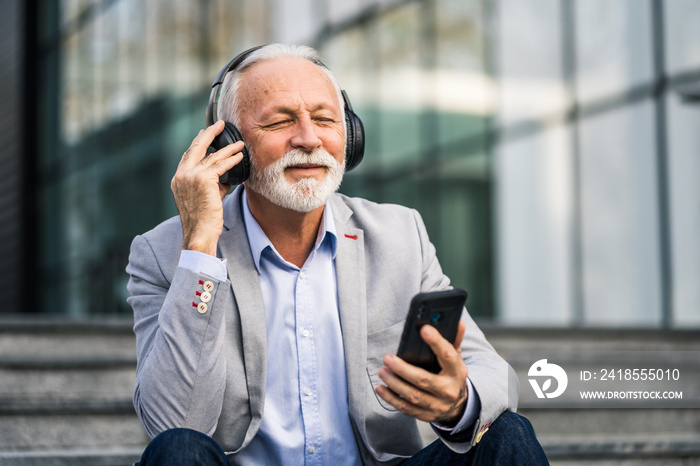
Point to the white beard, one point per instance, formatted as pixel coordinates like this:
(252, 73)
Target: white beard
(304, 195)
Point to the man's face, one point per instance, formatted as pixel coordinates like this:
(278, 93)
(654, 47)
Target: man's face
(293, 126)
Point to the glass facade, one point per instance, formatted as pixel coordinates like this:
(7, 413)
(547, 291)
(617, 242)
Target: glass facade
(619, 216)
(543, 141)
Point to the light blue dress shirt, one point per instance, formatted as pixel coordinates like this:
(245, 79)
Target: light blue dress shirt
(305, 418)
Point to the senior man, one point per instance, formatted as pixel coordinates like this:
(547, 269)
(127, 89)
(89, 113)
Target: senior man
(266, 320)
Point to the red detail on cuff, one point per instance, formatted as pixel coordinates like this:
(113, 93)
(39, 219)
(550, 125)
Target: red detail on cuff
(201, 282)
(351, 236)
(194, 304)
(198, 293)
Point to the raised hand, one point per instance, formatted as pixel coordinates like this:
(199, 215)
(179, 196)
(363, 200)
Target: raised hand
(197, 191)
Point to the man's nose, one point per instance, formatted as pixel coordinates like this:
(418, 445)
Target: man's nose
(306, 137)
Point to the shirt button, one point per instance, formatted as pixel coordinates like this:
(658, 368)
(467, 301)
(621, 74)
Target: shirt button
(312, 449)
(305, 333)
(307, 391)
(205, 297)
(202, 308)
(302, 275)
(208, 286)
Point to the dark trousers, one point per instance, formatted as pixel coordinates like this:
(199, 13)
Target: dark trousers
(510, 440)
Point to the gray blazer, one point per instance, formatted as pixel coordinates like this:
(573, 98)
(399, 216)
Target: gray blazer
(207, 371)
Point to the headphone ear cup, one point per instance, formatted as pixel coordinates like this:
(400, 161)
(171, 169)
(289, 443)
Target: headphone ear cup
(354, 140)
(241, 171)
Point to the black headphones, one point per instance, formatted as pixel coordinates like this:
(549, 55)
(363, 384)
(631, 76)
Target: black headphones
(354, 137)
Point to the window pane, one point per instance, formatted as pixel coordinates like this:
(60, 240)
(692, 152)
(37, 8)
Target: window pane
(251, 20)
(684, 186)
(127, 92)
(613, 46)
(462, 94)
(464, 239)
(619, 209)
(339, 11)
(529, 60)
(682, 31)
(296, 21)
(399, 89)
(534, 220)
(185, 33)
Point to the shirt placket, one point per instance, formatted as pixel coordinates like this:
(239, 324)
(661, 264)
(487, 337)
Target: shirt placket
(306, 354)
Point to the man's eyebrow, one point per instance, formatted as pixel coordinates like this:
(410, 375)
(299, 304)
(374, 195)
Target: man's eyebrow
(290, 111)
(321, 106)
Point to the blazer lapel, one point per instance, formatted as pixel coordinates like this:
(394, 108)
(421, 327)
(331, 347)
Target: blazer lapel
(233, 245)
(352, 304)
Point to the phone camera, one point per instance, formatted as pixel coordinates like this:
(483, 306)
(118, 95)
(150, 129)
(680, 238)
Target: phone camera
(435, 318)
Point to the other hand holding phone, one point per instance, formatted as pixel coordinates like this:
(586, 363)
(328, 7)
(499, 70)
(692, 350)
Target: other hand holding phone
(442, 310)
(433, 397)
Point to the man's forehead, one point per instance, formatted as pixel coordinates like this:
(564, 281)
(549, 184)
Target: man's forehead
(283, 69)
(262, 80)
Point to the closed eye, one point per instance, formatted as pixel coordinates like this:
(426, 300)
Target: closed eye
(277, 124)
(326, 120)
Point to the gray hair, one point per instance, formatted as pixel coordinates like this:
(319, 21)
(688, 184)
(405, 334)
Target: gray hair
(228, 108)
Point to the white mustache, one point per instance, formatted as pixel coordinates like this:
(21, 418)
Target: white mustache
(318, 157)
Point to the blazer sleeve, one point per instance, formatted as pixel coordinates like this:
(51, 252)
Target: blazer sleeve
(180, 375)
(493, 378)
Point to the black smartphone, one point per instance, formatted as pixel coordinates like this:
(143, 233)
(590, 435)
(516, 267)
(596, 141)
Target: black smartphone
(442, 310)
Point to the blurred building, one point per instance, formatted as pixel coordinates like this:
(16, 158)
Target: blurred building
(550, 145)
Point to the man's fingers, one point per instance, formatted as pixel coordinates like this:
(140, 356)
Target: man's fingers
(404, 405)
(421, 394)
(222, 166)
(223, 154)
(410, 378)
(460, 336)
(408, 392)
(416, 375)
(198, 149)
(448, 355)
(413, 400)
(207, 136)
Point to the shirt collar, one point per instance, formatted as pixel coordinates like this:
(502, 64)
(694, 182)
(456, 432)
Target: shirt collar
(259, 241)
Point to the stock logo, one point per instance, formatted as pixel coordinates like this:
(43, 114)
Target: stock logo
(546, 372)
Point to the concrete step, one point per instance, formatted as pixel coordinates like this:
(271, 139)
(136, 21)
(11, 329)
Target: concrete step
(40, 388)
(591, 435)
(510, 342)
(628, 462)
(66, 389)
(676, 449)
(66, 393)
(593, 422)
(576, 432)
(112, 456)
(21, 432)
(61, 367)
(43, 339)
(53, 406)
